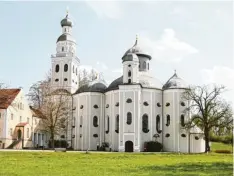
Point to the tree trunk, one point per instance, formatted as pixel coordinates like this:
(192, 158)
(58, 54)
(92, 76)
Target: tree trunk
(52, 140)
(207, 140)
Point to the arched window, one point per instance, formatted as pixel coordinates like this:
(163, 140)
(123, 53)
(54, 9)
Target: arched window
(62, 49)
(144, 65)
(95, 121)
(57, 68)
(129, 73)
(81, 121)
(145, 123)
(95, 106)
(76, 71)
(73, 69)
(158, 124)
(65, 29)
(65, 67)
(117, 124)
(107, 124)
(182, 120)
(129, 118)
(129, 81)
(168, 120)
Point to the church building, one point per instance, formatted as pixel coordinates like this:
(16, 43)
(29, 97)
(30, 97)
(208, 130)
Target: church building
(132, 110)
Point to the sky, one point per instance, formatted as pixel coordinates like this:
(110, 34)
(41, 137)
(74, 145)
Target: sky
(194, 38)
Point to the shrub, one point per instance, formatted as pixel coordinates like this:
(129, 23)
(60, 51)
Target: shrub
(223, 151)
(59, 144)
(153, 146)
(224, 139)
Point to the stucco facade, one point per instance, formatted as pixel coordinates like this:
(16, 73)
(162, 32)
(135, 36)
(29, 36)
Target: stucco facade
(132, 110)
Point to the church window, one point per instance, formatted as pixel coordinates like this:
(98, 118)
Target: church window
(129, 100)
(65, 79)
(73, 68)
(62, 49)
(117, 124)
(81, 106)
(129, 65)
(65, 67)
(107, 106)
(129, 73)
(144, 65)
(182, 120)
(95, 121)
(168, 120)
(196, 137)
(167, 104)
(117, 104)
(108, 124)
(167, 135)
(129, 118)
(145, 123)
(182, 104)
(65, 29)
(95, 135)
(56, 80)
(158, 104)
(81, 121)
(183, 135)
(57, 68)
(146, 103)
(129, 81)
(95, 106)
(158, 124)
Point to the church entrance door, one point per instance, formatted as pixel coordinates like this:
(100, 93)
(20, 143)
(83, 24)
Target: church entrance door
(128, 146)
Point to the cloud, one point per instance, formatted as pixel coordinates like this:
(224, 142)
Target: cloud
(168, 48)
(106, 9)
(219, 75)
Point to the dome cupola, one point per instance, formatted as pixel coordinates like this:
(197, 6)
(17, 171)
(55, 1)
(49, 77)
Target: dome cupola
(66, 21)
(175, 82)
(136, 49)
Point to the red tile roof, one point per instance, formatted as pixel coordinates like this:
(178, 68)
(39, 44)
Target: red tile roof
(7, 96)
(22, 124)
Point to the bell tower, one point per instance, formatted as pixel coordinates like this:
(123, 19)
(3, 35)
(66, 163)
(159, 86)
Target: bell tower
(65, 63)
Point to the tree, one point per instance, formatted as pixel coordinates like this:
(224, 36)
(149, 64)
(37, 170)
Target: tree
(54, 107)
(208, 109)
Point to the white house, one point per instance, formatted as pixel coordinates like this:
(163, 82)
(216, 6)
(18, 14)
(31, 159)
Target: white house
(128, 112)
(17, 120)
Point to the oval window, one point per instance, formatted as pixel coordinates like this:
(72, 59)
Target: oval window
(183, 135)
(95, 135)
(95, 106)
(196, 137)
(146, 103)
(65, 68)
(117, 104)
(56, 80)
(65, 79)
(107, 106)
(182, 104)
(158, 104)
(167, 104)
(57, 68)
(129, 100)
(167, 135)
(81, 107)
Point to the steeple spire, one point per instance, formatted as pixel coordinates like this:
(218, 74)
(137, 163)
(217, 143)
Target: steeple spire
(67, 11)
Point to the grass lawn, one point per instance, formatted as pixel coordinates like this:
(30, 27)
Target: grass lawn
(73, 164)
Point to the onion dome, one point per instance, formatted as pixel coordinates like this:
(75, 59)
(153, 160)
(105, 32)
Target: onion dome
(175, 82)
(94, 86)
(65, 37)
(136, 49)
(66, 22)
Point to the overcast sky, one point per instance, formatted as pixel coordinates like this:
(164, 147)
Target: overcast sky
(195, 38)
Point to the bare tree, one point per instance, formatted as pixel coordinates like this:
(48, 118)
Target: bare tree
(54, 107)
(208, 109)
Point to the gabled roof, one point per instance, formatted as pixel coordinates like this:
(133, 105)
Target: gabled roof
(7, 96)
(37, 113)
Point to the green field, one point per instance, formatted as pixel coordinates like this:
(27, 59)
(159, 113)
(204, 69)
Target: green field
(73, 164)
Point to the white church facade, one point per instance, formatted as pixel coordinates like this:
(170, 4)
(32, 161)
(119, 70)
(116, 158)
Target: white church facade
(132, 110)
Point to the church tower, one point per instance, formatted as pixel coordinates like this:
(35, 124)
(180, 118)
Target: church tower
(65, 63)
